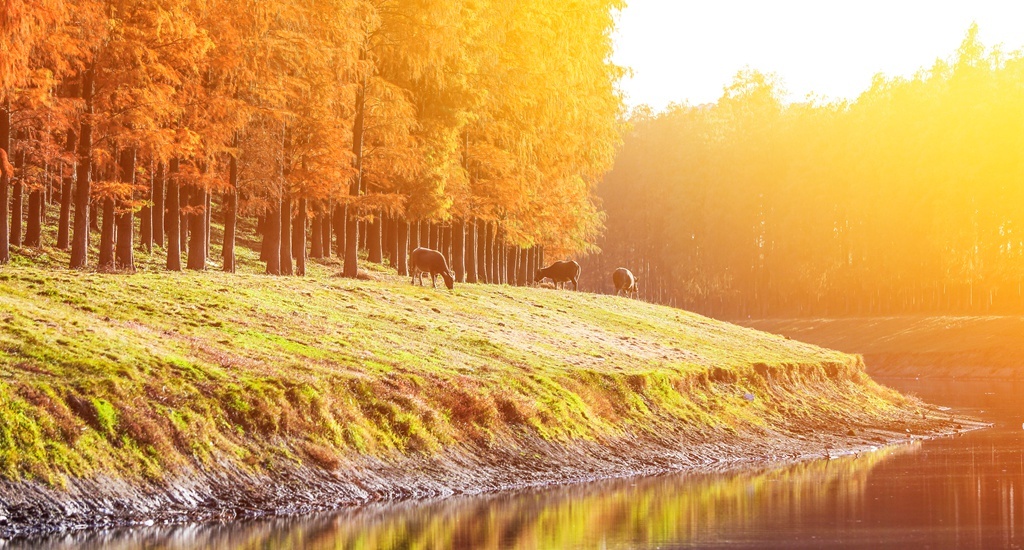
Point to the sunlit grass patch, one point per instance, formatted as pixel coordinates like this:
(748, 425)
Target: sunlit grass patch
(142, 374)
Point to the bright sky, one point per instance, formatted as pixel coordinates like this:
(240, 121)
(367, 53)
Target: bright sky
(689, 50)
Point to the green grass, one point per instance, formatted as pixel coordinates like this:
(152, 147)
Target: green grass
(138, 375)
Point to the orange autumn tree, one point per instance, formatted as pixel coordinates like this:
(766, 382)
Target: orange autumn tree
(541, 140)
(395, 110)
(129, 87)
(24, 24)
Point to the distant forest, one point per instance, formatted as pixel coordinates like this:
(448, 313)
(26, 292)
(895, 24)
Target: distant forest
(909, 199)
(479, 127)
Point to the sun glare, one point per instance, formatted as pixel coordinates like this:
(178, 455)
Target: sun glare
(687, 51)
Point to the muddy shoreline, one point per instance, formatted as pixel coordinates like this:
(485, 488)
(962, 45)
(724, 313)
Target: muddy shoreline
(29, 510)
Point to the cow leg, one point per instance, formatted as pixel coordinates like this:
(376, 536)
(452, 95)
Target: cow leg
(433, 280)
(575, 284)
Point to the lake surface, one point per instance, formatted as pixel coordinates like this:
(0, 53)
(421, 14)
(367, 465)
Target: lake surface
(960, 492)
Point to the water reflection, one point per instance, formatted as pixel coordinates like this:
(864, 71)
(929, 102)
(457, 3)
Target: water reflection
(955, 492)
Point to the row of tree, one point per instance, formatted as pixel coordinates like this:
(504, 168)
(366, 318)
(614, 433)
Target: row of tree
(909, 199)
(353, 122)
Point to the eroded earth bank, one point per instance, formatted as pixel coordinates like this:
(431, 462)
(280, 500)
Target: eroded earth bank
(180, 397)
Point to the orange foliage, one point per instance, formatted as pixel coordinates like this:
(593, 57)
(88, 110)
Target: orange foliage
(503, 110)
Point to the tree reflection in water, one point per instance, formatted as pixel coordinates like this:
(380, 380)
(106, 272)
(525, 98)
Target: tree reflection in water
(664, 509)
(965, 492)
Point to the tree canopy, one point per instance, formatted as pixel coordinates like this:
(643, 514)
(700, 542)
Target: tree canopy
(495, 110)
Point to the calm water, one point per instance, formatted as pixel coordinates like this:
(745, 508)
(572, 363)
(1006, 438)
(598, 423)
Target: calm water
(962, 492)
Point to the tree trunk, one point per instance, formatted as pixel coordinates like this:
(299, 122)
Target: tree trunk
(299, 239)
(5, 181)
(511, 255)
(350, 268)
(402, 238)
(521, 266)
(338, 222)
(33, 228)
(45, 196)
(316, 229)
(230, 199)
(125, 258)
(499, 261)
(94, 215)
(107, 235)
(158, 205)
(272, 238)
(414, 235)
(446, 243)
(146, 217)
(396, 228)
(496, 255)
(262, 223)
(459, 250)
(207, 221)
(481, 252)
(325, 229)
(67, 187)
(185, 193)
(388, 239)
(470, 251)
(197, 229)
(492, 275)
(286, 235)
(373, 239)
(531, 264)
(173, 218)
(17, 201)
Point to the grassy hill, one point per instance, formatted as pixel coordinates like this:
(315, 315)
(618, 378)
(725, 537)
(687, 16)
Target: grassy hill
(168, 393)
(957, 346)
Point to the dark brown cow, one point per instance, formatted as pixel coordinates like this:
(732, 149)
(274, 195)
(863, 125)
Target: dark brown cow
(563, 272)
(625, 282)
(426, 260)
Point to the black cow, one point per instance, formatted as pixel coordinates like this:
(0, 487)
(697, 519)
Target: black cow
(427, 260)
(561, 272)
(625, 282)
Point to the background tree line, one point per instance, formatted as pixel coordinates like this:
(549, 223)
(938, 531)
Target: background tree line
(909, 199)
(480, 127)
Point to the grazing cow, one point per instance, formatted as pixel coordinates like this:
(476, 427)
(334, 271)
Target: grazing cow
(426, 260)
(561, 272)
(625, 282)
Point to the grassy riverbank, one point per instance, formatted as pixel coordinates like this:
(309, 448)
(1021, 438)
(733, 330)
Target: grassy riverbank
(175, 392)
(940, 346)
